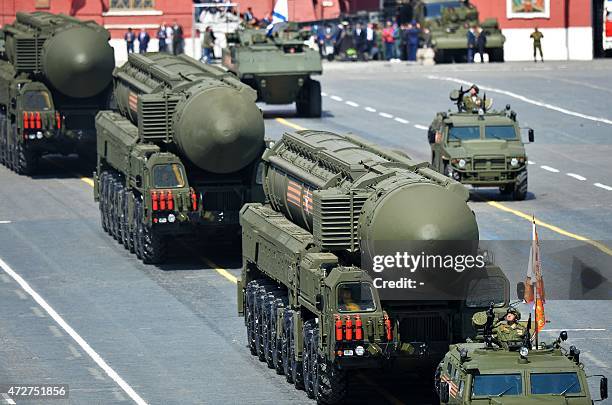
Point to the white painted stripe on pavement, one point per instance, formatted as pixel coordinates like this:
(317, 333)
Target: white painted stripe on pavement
(336, 98)
(419, 126)
(384, 114)
(527, 100)
(352, 103)
(550, 169)
(77, 338)
(323, 94)
(603, 186)
(575, 330)
(576, 176)
(370, 109)
(8, 399)
(529, 162)
(5, 222)
(401, 120)
(595, 360)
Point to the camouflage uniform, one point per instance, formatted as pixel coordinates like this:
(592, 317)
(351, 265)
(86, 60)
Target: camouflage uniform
(508, 333)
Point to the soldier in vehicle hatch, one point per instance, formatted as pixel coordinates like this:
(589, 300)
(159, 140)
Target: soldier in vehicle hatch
(510, 332)
(472, 100)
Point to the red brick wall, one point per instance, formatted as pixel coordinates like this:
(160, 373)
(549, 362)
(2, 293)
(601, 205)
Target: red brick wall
(579, 14)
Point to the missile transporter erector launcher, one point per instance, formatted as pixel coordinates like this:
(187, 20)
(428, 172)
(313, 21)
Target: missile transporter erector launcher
(311, 309)
(55, 75)
(180, 156)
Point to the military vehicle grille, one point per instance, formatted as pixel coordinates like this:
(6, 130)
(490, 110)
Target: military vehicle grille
(336, 219)
(155, 118)
(497, 163)
(221, 201)
(428, 328)
(27, 55)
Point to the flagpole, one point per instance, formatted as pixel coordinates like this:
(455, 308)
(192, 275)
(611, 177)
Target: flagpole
(535, 295)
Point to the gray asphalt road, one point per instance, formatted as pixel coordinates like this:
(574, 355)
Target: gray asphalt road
(171, 332)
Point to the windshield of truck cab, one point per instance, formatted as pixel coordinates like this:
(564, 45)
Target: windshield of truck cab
(497, 385)
(36, 100)
(434, 10)
(555, 383)
(355, 297)
(505, 132)
(463, 133)
(168, 176)
(484, 291)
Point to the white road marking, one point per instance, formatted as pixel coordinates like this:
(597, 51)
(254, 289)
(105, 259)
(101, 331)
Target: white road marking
(401, 120)
(5, 222)
(56, 332)
(336, 98)
(352, 103)
(77, 338)
(576, 176)
(594, 360)
(422, 127)
(323, 94)
(603, 186)
(384, 114)
(8, 399)
(21, 295)
(575, 330)
(550, 169)
(370, 109)
(527, 100)
(529, 162)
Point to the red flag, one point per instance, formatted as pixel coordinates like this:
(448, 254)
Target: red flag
(539, 314)
(534, 283)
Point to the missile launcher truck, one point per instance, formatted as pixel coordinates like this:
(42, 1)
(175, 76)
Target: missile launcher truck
(328, 197)
(55, 75)
(181, 155)
(278, 67)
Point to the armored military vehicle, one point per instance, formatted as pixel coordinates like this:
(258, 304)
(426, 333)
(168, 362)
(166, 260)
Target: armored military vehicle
(482, 371)
(311, 309)
(278, 66)
(479, 146)
(55, 75)
(449, 21)
(180, 156)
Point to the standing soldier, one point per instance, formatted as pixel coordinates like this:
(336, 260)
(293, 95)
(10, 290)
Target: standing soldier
(537, 43)
(129, 37)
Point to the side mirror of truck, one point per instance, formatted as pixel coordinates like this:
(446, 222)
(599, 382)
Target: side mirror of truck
(603, 388)
(531, 134)
(444, 396)
(520, 290)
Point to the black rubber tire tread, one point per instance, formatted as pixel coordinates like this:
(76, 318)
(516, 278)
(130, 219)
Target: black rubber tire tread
(277, 350)
(286, 343)
(138, 243)
(296, 366)
(520, 187)
(249, 315)
(102, 200)
(332, 383)
(308, 363)
(314, 99)
(154, 246)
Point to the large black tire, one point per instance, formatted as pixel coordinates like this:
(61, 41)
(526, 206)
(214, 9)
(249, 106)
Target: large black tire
(261, 296)
(125, 231)
(138, 242)
(112, 212)
(286, 345)
(331, 383)
(309, 103)
(310, 358)
(154, 246)
(118, 211)
(131, 232)
(103, 180)
(277, 344)
(296, 366)
(520, 187)
(3, 133)
(249, 315)
(269, 326)
(506, 189)
(25, 159)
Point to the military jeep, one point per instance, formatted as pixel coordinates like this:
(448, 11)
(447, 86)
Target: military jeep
(480, 146)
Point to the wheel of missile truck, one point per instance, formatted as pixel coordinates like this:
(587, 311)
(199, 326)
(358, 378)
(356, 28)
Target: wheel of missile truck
(309, 358)
(153, 246)
(118, 212)
(102, 199)
(277, 360)
(296, 366)
(2, 137)
(125, 231)
(112, 209)
(520, 187)
(286, 344)
(331, 385)
(26, 160)
(139, 229)
(270, 304)
(249, 316)
(260, 296)
(129, 228)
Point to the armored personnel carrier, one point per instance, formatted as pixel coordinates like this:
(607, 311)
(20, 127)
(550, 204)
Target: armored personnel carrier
(449, 21)
(55, 75)
(180, 156)
(310, 307)
(278, 66)
(479, 146)
(482, 371)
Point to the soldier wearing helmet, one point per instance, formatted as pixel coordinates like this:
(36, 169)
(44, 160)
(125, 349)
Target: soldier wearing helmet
(472, 100)
(509, 331)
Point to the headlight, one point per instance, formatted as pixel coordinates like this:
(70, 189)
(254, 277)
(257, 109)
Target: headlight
(514, 162)
(462, 163)
(524, 351)
(31, 136)
(359, 351)
(171, 218)
(39, 135)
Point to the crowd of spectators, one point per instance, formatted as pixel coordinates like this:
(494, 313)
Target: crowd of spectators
(170, 39)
